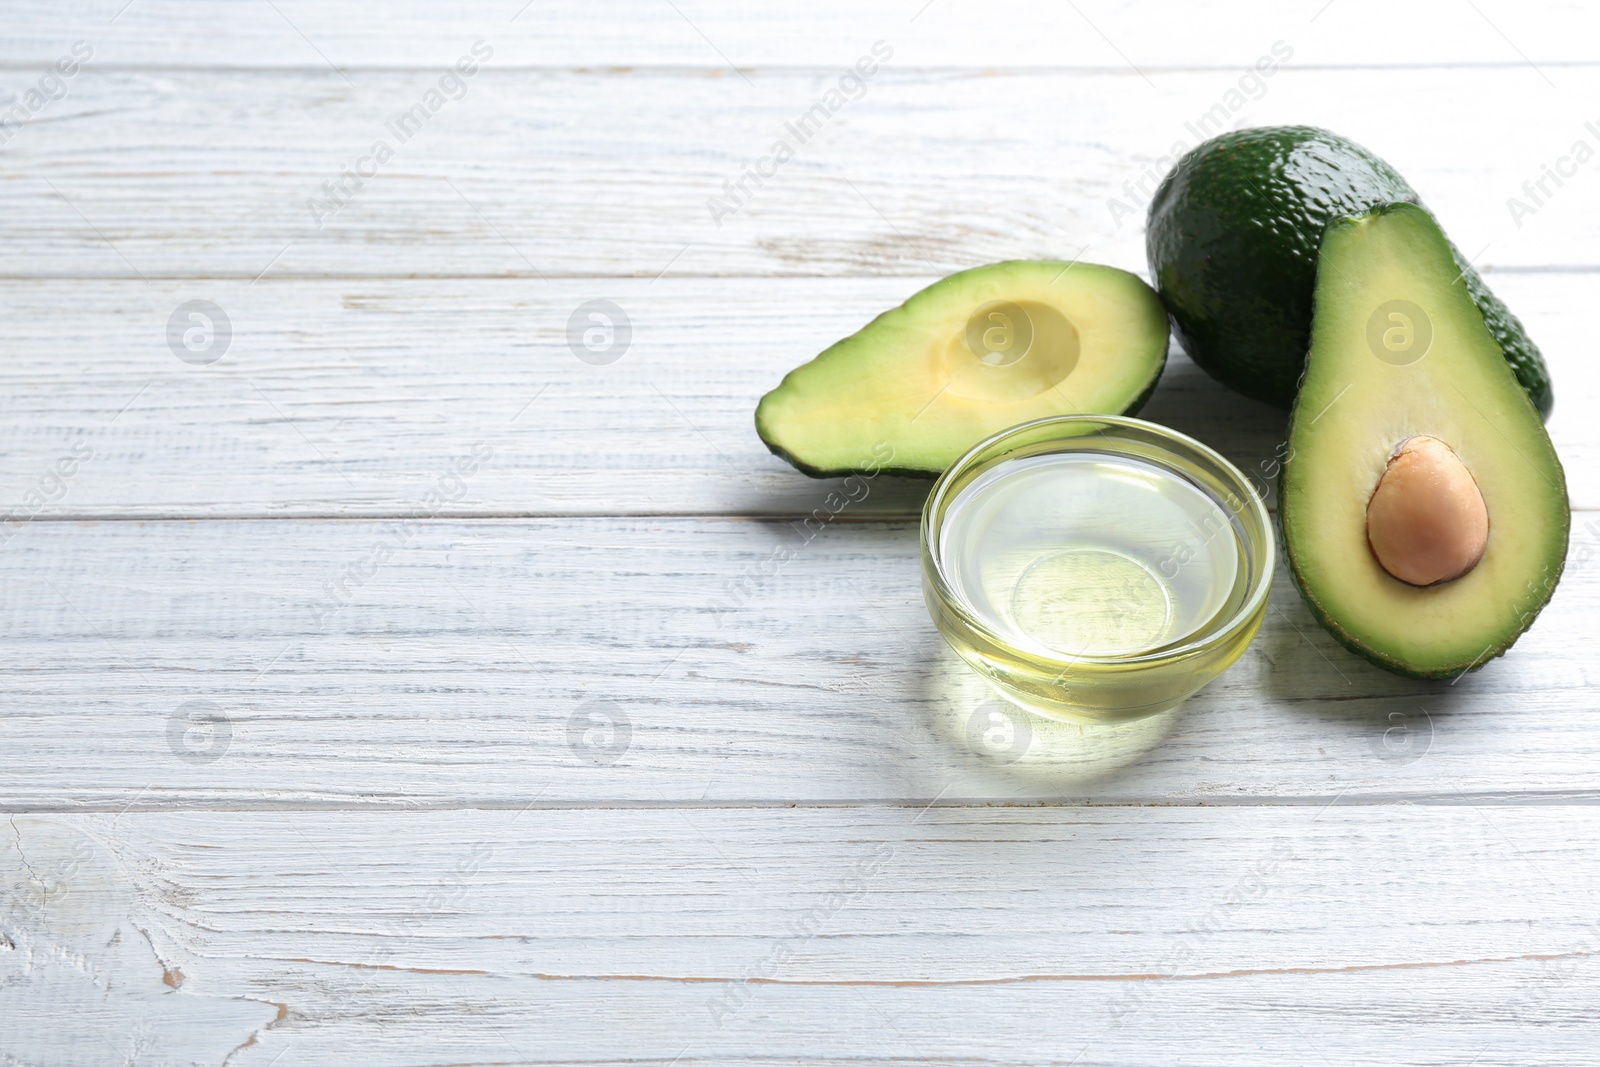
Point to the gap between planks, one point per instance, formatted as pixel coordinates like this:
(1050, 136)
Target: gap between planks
(921, 275)
(515, 516)
(699, 71)
(402, 804)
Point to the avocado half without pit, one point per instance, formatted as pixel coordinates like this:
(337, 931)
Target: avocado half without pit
(1424, 510)
(965, 358)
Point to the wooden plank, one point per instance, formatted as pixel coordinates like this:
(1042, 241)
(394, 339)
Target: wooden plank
(1103, 34)
(220, 173)
(941, 936)
(567, 661)
(673, 808)
(360, 397)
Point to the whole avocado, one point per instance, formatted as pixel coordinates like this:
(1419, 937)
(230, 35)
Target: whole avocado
(1233, 236)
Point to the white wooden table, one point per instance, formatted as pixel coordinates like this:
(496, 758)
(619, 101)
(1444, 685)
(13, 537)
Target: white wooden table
(385, 684)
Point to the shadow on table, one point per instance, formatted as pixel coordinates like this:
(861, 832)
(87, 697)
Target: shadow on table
(1015, 748)
(976, 729)
(1313, 675)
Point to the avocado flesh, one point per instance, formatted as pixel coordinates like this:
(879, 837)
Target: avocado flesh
(1355, 408)
(965, 358)
(1233, 236)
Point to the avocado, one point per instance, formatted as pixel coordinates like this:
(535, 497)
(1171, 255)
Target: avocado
(1424, 511)
(1232, 241)
(966, 357)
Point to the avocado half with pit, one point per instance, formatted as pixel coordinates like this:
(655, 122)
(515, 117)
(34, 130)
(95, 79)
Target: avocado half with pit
(1424, 511)
(965, 358)
(1233, 237)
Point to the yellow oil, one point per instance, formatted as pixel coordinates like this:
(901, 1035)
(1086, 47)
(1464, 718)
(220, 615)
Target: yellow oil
(1096, 555)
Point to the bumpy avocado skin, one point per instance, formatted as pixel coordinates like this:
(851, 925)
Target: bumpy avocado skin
(1521, 353)
(1232, 243)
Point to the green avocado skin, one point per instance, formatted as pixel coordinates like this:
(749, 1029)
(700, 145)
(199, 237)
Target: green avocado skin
(1307, 588)
(1331, 623)
(1232, 242)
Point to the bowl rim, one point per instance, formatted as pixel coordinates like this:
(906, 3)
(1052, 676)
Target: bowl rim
(1258, 591)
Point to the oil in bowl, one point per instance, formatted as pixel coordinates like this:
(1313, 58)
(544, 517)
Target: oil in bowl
(1091, 554)
(1096, 568)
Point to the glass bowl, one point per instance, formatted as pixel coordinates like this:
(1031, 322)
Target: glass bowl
(1096, 568)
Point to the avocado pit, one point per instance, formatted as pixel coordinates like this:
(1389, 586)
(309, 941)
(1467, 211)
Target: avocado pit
(1426, 520)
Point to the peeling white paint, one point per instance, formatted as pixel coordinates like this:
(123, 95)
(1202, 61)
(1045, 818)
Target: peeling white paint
(80, 983)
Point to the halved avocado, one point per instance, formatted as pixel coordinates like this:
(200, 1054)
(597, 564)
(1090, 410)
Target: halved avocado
(965, 358)
(1409, 425)
(1233, 238)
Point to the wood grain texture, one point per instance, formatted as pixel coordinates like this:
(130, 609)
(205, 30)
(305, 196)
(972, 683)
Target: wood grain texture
(359, 397)
(81, 979)
(215, 173)
(1360, 935)
(724, 35)
(597, 661)
(506, 749)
